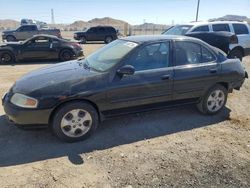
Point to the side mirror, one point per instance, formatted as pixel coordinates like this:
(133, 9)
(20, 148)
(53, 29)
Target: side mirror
(126, 70)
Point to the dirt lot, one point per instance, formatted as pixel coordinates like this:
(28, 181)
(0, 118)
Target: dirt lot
(170, 148)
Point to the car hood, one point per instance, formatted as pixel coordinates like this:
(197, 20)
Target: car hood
(8, 31)
(59, 79)
(11, 44)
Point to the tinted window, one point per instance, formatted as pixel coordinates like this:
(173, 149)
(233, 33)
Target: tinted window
(221, 27)
(203, 28)
(240, 29)
(192, 53)
(92, 30)
(152, 56)
(178, 30)
(101, 30)
(110, 29)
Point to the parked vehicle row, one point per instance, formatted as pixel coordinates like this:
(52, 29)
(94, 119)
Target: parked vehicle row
(128, 75)
(240, 29)
(40, 47)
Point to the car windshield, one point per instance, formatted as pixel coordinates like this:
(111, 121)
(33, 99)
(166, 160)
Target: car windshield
(109, 55)
(178, 30)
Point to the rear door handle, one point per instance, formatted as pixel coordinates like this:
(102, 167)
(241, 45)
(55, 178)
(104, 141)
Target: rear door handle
(165, 77)
(213, 71)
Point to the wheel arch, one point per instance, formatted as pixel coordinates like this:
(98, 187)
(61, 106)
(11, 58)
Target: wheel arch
(9, 51)
(240, 48)
(75, 100)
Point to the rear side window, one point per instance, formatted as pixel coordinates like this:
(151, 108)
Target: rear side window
(203, 28)
(221, 27)
(240, 29)
(207, 56)
(191, 53)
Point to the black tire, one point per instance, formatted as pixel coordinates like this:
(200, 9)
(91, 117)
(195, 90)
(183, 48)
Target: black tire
(236, 54)
(203, 105)
(66, 55)
(62, 113)
(10, 38)
(108, 39)
(6, 57)
(83, 40)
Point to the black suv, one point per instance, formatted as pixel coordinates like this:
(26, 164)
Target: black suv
(99, 33)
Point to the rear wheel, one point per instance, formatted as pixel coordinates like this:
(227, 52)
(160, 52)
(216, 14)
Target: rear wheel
(75, 121)
(6, 57)
(108, 39)
(10, 38)
(236, 54)
(214, 100)
(83, 40)
(66, 55)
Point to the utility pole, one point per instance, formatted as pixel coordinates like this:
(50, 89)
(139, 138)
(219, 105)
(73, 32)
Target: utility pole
(197, 13)
(52, 17)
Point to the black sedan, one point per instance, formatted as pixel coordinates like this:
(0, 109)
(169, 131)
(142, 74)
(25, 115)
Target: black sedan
(128, 75)
(40, 47)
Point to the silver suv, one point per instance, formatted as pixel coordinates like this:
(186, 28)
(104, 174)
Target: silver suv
(241, 29)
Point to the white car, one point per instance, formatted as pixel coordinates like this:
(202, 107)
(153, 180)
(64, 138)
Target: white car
(241, 29)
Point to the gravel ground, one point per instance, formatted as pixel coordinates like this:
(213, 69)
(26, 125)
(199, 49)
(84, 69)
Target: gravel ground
(168, 148)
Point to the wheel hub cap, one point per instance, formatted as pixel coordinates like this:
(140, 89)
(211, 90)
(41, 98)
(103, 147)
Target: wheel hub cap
(215, 100)
(76, 123)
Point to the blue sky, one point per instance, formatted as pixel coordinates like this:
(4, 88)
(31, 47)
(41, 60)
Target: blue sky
(133, 11)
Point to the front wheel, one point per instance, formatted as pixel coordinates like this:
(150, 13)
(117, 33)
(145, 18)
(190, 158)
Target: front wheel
(6, 57)
(75, 121)
(214, 100)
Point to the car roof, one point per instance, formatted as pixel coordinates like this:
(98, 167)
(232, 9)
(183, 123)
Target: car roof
(213, 22)
(155, 38)
(45, 35)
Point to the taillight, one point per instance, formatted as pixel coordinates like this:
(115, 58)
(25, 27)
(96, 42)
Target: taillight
(77, 45)
(234, 39)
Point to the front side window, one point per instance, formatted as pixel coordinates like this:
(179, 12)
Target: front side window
(203, 28)
(221, 27)
(109, 55)
(240, 29)
(178, 30)
(152, 56)
(191, 53)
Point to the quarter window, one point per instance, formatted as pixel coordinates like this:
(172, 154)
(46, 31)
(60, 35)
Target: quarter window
(203, 28)
(221, 27)
(240, 29)
(152, 56)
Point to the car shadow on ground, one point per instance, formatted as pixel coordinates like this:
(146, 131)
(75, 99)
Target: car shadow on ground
(20, 146)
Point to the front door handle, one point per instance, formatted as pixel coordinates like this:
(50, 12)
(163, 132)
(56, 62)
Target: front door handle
(165, 77)
(213, 71)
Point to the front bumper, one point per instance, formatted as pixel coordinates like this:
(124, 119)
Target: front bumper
(23, 116)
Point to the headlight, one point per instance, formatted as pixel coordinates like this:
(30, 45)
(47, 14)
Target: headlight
(23, 101)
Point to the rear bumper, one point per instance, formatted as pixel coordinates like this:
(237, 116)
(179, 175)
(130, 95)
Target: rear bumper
(22, 116)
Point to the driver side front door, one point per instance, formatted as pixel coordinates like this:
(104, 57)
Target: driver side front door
(151, 83)
(38, 48)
